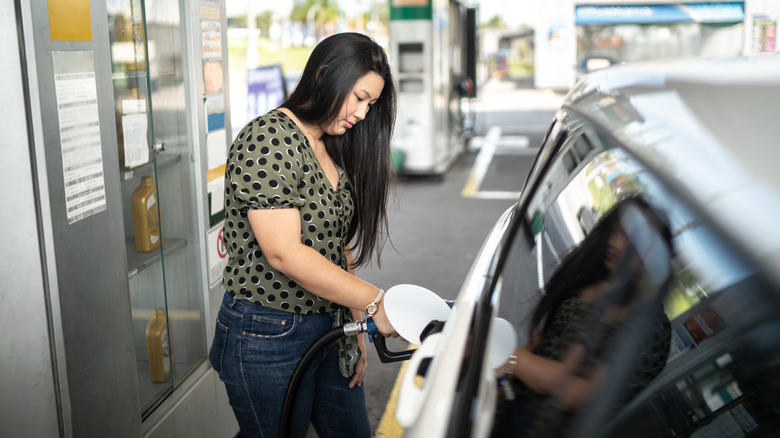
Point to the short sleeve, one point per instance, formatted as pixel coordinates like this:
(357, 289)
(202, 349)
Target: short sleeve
(264, 164)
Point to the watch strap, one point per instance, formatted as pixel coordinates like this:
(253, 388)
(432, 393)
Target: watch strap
(373, 306)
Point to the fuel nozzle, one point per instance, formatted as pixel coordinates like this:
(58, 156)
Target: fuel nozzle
(433, 327)
(380, 343)
(355, 328)
(378, 339)
(414, 312)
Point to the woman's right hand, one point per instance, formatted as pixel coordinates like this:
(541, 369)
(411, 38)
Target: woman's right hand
(382, 323)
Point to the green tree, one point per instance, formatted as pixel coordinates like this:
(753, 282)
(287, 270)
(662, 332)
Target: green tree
(264, 22)
(494, 23)
(239, 21)
(324, 13)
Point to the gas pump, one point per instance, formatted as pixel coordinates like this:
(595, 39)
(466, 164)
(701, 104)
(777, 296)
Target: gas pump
(433, 56)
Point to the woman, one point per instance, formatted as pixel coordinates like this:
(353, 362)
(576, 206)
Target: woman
(573, 328)
(304, 185)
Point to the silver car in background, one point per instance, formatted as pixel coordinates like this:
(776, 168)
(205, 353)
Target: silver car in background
(699, 142)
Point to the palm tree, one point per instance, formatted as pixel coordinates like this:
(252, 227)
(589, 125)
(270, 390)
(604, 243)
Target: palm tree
(320, 17)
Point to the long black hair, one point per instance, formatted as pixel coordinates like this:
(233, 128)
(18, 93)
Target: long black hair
(331, 72)
(585, 265)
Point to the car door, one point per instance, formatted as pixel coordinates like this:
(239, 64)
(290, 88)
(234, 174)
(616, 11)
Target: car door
(721, 366)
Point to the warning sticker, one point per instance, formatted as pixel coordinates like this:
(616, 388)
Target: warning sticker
(216, 254)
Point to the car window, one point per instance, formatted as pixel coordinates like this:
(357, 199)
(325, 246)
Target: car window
(715, 360)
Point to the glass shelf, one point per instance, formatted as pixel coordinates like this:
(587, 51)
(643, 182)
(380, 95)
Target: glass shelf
(138, 261)
(129, 74)
(163, 160)
(151, 393)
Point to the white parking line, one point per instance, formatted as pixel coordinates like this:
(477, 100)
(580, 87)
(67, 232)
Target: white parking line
(492, 145)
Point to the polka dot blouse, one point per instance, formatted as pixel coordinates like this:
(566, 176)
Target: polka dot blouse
(272, 165)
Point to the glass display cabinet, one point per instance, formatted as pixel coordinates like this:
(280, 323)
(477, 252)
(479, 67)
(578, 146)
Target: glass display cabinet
(120, 143)
(158, 193)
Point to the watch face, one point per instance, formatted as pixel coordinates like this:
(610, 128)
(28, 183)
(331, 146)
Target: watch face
(371, 309)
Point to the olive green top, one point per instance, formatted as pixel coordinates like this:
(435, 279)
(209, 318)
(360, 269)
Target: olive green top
(272, 165)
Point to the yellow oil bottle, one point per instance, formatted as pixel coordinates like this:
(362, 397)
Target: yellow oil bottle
(158, 347)
(145, 219)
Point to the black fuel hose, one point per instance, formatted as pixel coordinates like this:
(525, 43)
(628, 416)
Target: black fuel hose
(353, 328)
(300, 370)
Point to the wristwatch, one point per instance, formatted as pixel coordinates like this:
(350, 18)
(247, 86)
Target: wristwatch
(373, 306)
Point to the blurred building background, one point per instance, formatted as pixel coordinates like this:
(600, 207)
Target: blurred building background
(542, 44)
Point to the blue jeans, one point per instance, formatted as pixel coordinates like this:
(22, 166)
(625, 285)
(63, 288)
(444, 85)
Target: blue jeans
(255, 352)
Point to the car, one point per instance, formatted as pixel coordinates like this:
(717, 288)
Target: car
(592, 62)
(697, 142)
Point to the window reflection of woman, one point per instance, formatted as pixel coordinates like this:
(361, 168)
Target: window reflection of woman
(571, 331)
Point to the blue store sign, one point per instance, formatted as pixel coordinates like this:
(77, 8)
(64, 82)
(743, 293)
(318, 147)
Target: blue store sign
(266, 90)
(733, 12)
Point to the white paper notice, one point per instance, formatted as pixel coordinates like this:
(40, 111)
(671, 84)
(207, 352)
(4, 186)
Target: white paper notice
(216, 142)
(134, 136)
(217, 190)
(211, 38)
(82, 153)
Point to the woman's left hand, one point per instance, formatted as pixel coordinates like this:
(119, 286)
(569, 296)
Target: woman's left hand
(360, 372)
(362, 363)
